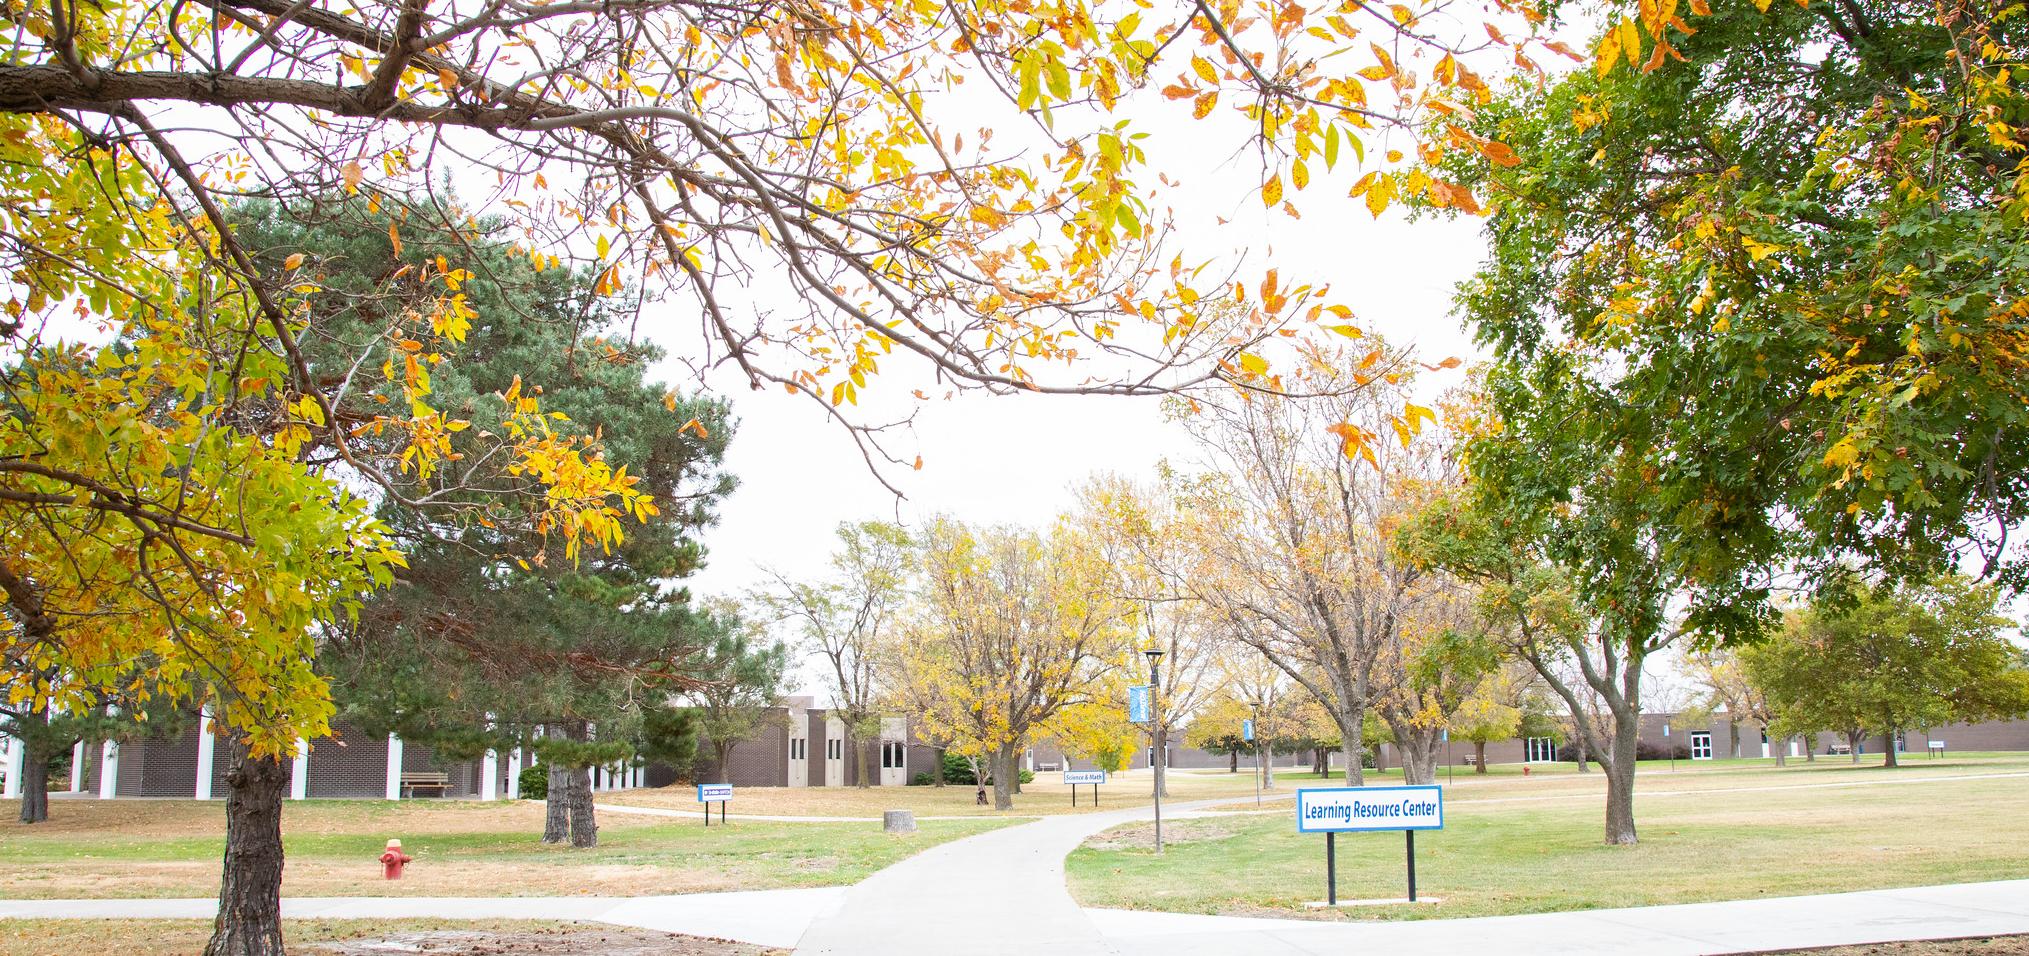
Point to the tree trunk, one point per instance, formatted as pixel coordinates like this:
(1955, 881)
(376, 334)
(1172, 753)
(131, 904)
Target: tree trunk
(1890, 758)
(556, 821)
(1356, 774)
(1810, 748)
(584, 823)
(250, 895)
(859, 749)
(1479, 756)
(937, 771)
(1620, 829)
(1380, 756)
(1233, 760)
(1420, 747)
(1579, 752)
(1003, 772)
(34, 784)
(1853, 744)
(1267, 768)
(1781, 748)
(722, 759)
(1733, 737)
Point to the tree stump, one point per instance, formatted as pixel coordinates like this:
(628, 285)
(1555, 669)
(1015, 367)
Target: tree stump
(898, 821)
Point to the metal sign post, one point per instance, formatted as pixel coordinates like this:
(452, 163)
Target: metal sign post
(1083, 778)
(710, 793)
(1336, 810)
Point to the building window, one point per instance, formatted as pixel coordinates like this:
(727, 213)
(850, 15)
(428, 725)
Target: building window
(799, 748)
(891, 755)
(1701, 745)
(1539, 750)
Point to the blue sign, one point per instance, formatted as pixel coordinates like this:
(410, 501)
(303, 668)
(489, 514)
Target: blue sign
(1082, 778)
(1347, 809)
(1137, 704)
(714, 792)
(1246, 730)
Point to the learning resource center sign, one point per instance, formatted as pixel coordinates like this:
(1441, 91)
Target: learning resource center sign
(1347, 809)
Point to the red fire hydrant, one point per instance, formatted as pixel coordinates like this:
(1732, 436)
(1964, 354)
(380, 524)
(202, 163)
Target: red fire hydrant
(1525, 772)
(393, 860)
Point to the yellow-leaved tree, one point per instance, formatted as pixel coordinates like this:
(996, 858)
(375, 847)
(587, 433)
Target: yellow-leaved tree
(1013, 628)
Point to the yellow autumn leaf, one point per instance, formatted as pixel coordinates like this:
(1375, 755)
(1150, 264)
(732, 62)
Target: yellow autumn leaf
(1253, 364)
(1205, 69)
(1271, 191)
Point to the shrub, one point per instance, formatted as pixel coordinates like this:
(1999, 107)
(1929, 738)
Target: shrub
(1644, 750)
(535, 782)
(1026, 776)
(957, 770)
(920, 780)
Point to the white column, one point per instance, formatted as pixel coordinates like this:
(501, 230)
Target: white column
(207, 754)
(640, 777)
(514, 774)
(299, 773)
(17, 759)
(489, 769)
(394, 767)
(109, 770)
(77, 767)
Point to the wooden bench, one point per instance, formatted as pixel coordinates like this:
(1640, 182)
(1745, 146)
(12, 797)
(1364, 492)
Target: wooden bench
(1842, 750)
(1470, 760)
(438, 782)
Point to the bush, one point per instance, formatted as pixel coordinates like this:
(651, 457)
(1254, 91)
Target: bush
(957, 770)
(535, 782)
(920, 780)
(1644, 750)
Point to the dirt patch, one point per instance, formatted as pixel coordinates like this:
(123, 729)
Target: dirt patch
(1141, 836)
(556, 941)
(1981, 946)
(131, 937)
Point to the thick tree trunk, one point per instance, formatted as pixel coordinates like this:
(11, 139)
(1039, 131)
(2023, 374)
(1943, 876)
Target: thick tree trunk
(1620, 829)
(1580, 753)
(1420, 747)
(937, 772)
(1889, 757)
(1810, 748)
(556, 821)
(1781, 748)
(584, 823)
(722, 760)
(250, 895)
(1479, 756)
(1003, 764)
(1233, 761)
(865, 768)
(1853, 744)
(34, 784)
(1733, 737)
(1380, 756)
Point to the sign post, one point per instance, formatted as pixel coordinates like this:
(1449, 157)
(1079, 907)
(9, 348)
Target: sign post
(1336, 810)
(710, 793)
(1247, 735)
(1083, 778)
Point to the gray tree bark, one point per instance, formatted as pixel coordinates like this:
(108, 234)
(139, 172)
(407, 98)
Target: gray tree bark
(556, 822)
(1003, 767)
(249, 919)
(584, 823)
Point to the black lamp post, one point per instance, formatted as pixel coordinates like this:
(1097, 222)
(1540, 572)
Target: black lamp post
(1155, 752)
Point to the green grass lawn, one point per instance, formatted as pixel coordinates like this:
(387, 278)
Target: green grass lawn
(162, 848)
(1513, 844)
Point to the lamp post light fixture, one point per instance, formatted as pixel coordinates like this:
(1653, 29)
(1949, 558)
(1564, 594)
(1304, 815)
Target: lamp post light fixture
(1155, 735)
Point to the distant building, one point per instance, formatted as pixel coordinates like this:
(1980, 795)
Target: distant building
(800, 745)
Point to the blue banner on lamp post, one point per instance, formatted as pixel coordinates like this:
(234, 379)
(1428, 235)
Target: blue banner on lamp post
(1246, 730)
(1137, 704)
